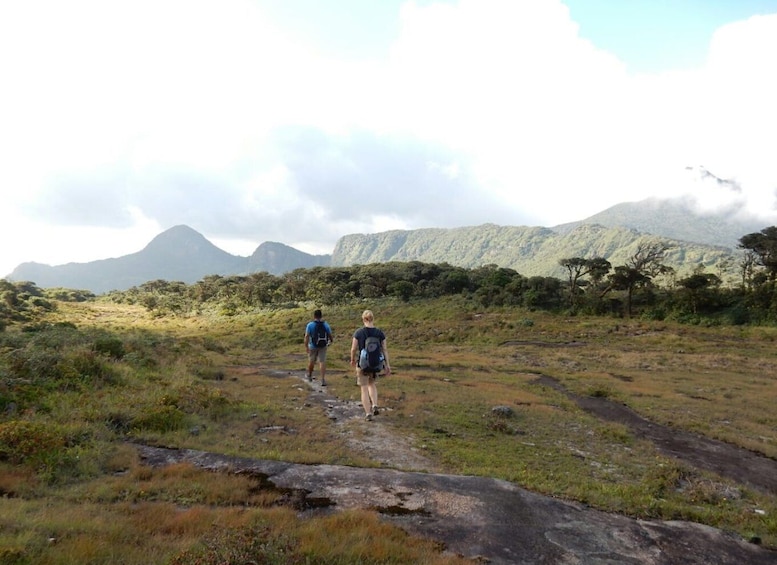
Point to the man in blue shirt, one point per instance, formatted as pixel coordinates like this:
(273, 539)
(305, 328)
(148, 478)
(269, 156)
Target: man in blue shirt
(318, 336)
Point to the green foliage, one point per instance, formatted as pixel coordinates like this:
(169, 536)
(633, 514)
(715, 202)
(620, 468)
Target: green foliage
(21, 302)
(208, 382)
(68, 294)
(532, 251)
(110, 346)
(59, 358)
(23, 441)
(161, 418)
(763, 245)
(644, 285)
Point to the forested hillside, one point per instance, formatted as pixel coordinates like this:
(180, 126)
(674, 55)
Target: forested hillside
(532, 251)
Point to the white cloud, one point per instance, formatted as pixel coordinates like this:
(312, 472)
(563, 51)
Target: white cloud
(132, 117)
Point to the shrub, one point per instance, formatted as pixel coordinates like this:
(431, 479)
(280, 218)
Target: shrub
(599, 391)
(13, 555)
(22, 441)
(110, 346)
(59, 369)
(89, 367)
(164, 418)
(738, 316)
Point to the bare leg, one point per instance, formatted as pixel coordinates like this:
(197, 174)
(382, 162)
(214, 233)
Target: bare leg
(366, 400)
(372, 389)
(309, 375)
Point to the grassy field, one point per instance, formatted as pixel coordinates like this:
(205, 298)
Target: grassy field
(74, 490)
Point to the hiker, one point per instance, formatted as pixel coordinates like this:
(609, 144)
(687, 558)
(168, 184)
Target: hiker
(365, 376)
(318, 336)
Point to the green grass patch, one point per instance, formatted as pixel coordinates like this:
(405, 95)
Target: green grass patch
(93, 377)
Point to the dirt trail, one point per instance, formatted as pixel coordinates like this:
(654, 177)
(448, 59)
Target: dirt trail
(376, 439)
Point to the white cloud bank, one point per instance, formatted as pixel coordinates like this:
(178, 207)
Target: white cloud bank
(120, 119)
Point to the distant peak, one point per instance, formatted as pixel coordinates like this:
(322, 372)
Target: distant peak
(180, 229)
(179, 236)
(703, 174)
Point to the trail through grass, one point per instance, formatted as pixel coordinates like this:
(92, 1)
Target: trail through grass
(212, 382)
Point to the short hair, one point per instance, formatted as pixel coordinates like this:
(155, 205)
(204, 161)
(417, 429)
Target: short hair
(317, 313)
(367, 316)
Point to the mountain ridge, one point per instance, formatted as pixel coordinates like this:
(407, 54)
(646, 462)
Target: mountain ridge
(183, 254)
(675, 218)
(179, 253)
(531, 251)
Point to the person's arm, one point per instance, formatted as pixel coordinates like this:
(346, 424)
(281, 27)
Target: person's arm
(329, 333)
(354, 350)
(306, 339)
(386, 365)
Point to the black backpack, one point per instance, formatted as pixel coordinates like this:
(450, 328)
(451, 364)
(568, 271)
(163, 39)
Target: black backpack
(371, 357)
(320, 338)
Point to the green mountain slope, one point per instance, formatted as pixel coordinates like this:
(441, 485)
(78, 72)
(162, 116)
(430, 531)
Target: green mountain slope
(673, 218)
(183, 254)
(532, 251)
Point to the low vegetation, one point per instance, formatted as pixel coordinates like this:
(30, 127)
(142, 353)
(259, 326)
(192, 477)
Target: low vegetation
(82, 378)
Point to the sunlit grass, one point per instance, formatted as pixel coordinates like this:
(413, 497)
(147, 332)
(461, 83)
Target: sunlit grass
(225, 384)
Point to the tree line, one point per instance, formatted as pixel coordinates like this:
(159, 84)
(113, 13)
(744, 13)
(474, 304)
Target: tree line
(643, 286)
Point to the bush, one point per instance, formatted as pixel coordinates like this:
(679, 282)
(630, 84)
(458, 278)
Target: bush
(164, 418)
(110, 346)
(22, 441)
(53, 366)
(738, 316)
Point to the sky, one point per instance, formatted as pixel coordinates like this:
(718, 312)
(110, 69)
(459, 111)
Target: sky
(301, 121)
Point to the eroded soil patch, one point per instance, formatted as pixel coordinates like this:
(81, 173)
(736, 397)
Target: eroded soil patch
(731, 461)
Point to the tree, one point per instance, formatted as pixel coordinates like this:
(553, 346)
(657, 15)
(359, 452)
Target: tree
(542, 292)
(746, 267)
(577, 268)
(764, 246)
(649, 257)
(626, 278)
(700, 290)
(294, 285)
(639, 270)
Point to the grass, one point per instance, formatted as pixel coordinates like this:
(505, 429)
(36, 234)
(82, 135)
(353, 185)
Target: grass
(74, 491)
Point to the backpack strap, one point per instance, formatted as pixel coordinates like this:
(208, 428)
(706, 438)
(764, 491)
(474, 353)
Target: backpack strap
(320, 324)
(366, 335)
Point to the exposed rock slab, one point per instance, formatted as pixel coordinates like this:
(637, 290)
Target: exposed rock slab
(487, 518)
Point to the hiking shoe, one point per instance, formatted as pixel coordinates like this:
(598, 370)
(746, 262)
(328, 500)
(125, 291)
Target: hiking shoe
(310, 377)
(368, 417)
(375, 410)
(323, 383)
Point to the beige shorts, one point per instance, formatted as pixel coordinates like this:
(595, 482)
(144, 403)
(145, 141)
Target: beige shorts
(363, 379)
(317, 354)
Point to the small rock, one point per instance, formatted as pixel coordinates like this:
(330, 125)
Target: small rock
(503, 411)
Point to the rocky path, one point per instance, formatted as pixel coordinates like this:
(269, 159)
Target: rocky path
(376, 441)
(488, 520)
